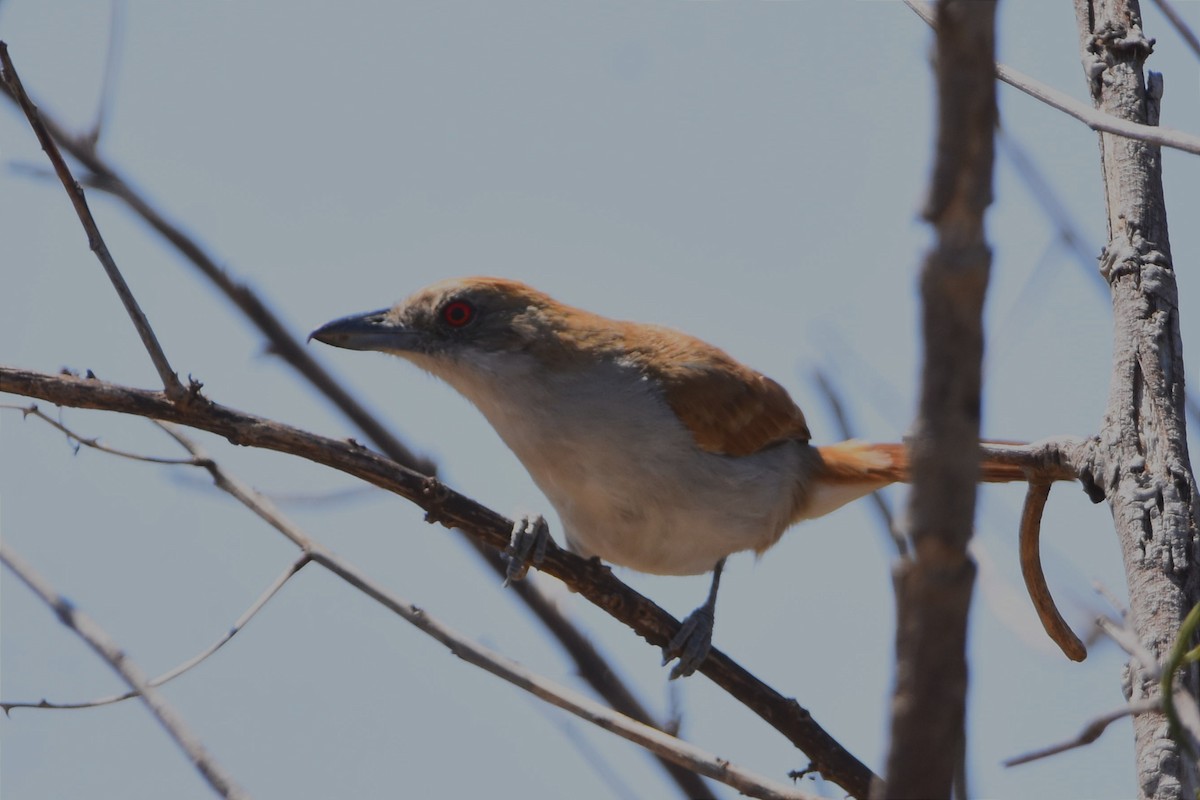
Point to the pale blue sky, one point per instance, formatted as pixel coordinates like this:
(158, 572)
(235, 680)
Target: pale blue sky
(750, 173)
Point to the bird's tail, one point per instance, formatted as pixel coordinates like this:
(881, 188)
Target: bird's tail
(855, 462)
(849, 470)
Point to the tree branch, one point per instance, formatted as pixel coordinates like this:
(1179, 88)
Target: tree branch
(174, 673)
(1142, 456)
(107, 649)
(589, 578)
(1035, 580)
(12, 82)
(1096, 120)
(933, 588)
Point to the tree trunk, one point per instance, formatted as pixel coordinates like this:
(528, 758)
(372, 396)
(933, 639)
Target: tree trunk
(1142, 457)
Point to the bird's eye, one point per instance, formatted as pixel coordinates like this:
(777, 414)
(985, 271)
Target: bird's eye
(458, 313)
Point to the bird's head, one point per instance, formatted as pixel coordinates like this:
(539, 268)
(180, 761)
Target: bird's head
(452, 321)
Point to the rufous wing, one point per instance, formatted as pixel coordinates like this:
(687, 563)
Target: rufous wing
(729, 408)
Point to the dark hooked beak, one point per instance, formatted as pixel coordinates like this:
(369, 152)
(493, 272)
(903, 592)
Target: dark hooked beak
(371, 331)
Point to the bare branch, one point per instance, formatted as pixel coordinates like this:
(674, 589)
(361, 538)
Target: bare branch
(8, 76)
(1094, 119)
(108, 650)
(933, 588)
(1184, 31)
(92, 442)
(589, 578)
(1090, 733)
(241, 622)
(112, 56)
(1126, 638)
(662, 745)
(106, 178)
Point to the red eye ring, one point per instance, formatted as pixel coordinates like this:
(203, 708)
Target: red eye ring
(458, 313)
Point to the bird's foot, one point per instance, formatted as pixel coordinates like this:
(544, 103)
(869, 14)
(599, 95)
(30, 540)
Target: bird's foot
(527, 547)
(691, 644)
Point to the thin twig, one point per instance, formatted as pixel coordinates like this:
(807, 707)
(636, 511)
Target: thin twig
(1126, 638)
(91, 442)
(170, 675)
(1090, 733)
(1042, 192)
(1096, 120)
(174, 389)
(1035, 579)
(112, 654)
(1181, 27)
(112, 58)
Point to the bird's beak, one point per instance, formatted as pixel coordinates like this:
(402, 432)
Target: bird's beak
(373, 331)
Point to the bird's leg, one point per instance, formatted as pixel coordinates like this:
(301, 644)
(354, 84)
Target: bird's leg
(694, 639)
(527, 547)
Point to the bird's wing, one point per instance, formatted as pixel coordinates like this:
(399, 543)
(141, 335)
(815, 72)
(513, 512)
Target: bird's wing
(729, 408)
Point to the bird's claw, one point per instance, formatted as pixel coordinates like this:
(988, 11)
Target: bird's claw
(526, 547)
(691, 644)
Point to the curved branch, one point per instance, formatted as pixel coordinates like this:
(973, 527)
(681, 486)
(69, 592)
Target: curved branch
(1035, 579)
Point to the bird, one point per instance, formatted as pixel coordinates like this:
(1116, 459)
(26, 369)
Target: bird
(660, 452)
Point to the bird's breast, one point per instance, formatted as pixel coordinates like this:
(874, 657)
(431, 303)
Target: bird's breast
(625, 476)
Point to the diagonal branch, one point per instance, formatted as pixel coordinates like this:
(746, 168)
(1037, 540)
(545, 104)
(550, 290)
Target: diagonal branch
(12, 82)
(107, 649)
(442, 504)
(195, 660)
(1093, 118)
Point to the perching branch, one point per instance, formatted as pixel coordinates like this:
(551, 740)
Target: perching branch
(662, 745)
(107, 649)
(589, 578)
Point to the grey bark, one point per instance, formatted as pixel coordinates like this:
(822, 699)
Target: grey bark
(1141, 458)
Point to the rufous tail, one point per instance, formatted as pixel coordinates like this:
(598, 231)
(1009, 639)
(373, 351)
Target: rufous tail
(853, 461)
